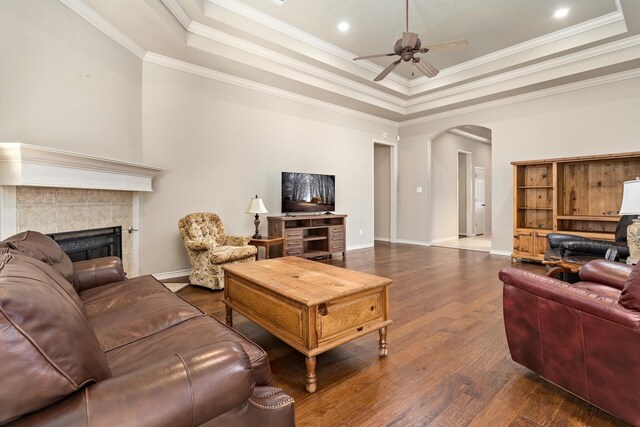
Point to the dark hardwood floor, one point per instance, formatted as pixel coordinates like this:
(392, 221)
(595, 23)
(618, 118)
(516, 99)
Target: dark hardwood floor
(448, 362)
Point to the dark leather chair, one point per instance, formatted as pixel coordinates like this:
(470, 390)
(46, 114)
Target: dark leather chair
(584, 337)
(582, 249)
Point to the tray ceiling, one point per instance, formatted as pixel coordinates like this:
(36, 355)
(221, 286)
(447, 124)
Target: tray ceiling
(515, 47)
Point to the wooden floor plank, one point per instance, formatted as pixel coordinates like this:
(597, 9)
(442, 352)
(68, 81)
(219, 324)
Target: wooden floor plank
(448, 362)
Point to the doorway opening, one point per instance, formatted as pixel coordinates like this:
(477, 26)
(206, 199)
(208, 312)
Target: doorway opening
(460, 188)
(384, 191)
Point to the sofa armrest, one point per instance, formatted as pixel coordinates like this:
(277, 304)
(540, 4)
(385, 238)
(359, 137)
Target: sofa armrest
(199, 245)
(595, 247)
(606, 272)
(237, 241)
(567, 294)
(555, 239)
(97, 272)
(185, 390)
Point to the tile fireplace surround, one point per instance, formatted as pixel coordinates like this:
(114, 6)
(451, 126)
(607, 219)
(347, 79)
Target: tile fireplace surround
(53, 191)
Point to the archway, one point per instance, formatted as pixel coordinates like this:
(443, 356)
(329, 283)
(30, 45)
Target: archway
(460, 188)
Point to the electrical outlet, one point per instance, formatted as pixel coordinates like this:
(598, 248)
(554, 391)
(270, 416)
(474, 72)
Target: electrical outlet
(361, 232)
(419, 190)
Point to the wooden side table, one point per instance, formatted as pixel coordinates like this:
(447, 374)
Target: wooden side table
(561, 266)
(266, 243)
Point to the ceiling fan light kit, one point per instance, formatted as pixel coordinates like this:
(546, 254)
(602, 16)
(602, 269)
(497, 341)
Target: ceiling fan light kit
(408, 46)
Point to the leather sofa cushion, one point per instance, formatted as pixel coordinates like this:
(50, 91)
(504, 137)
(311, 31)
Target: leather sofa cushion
(43, 248)
(39, 367)
(630, 297)
(610, 273)
(186, 336)
(126, 311)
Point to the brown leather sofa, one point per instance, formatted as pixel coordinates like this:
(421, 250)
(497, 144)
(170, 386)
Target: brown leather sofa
(81, 345)
(584, 337)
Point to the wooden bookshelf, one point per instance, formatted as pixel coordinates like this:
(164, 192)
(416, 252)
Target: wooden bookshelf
(574, 195)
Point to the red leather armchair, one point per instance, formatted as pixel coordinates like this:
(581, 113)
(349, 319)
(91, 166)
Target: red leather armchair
(584, 337)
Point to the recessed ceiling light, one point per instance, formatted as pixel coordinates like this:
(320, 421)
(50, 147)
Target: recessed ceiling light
(561, 13)
(343, 26)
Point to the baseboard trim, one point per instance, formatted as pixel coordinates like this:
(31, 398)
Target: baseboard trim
(501, 253)
(413, 242)
(363, 246)
(382, 239)
(444, 239)
(171, 274)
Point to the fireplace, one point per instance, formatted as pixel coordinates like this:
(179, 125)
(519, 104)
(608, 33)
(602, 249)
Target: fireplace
(53, 191)
(82, 245)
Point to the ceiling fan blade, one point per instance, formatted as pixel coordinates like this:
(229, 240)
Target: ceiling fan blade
(409, 39)
(426, 68)
(374, 56)
(442, 47)
(387, 70)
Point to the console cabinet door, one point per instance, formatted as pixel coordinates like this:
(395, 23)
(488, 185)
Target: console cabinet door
(529, 244)
(540, 244)
(523, 244)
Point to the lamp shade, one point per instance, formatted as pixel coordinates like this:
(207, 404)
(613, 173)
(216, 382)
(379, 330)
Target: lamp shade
(631, 198)
(256, 206)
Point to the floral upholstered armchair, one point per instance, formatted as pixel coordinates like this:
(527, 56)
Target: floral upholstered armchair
(209, 248)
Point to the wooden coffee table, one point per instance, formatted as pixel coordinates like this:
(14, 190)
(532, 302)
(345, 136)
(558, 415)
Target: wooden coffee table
(311, 306)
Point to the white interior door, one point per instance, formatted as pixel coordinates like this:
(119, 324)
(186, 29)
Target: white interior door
(479, 199)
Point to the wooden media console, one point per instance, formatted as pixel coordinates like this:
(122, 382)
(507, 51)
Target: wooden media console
(310, 235)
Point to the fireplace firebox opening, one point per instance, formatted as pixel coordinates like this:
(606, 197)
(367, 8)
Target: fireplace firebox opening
(82, 245)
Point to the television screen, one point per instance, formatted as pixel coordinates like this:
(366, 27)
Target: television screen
(308, 192)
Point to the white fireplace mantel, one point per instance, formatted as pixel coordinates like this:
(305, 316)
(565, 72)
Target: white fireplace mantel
(31, 165)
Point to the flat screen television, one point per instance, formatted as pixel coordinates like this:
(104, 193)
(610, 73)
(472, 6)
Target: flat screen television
(308, 192)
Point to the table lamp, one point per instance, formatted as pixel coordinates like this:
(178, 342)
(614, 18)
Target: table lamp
(256, 207)
(631, 206)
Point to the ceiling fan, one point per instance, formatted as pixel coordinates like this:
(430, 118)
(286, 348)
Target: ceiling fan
(408, 46)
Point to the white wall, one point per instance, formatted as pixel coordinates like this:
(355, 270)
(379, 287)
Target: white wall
(596, 120)
(382, 191)
(221, 144)
(66, 85)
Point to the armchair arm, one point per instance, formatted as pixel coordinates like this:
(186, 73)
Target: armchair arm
(595, 247)
(186, 390)
(556, 238)
(199, 245)
(237, 241)
(97, 272)
(571, 296)
(606, 272)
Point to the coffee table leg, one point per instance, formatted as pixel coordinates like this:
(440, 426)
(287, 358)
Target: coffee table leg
(383, 341)
(229, 315)
(311, 374)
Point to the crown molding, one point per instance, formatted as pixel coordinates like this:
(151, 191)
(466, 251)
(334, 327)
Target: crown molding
(597, 81)
(186, 67)
(614, 20)
(299, 70)
(535, 70)
(91, 16)
(291, 31)
(470, 135)
(547, 39)
(32, 165)
(203, 37)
